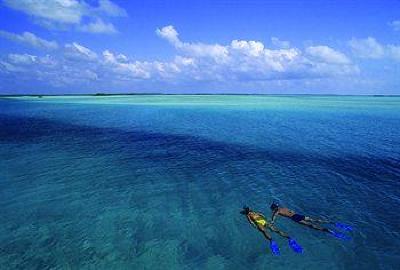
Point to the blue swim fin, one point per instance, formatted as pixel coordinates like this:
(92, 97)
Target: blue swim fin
(295, 246)
(274, 248)
(340, 235)
(343, 227)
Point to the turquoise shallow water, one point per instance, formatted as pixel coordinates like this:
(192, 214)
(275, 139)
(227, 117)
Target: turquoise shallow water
(157, 182)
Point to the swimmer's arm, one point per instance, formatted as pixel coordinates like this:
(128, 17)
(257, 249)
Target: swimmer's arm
(274, 214)
(251, 222)
(281, 233)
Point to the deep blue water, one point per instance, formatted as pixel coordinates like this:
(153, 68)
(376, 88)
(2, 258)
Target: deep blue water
(159, 185)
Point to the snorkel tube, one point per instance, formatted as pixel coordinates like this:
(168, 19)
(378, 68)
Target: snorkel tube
(274, 206)
(245, 210)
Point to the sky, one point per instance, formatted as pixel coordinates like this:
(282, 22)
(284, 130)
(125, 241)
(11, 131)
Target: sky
(264, 47)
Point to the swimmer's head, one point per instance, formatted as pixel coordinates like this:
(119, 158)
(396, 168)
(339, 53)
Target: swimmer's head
(274, 206)
(245, 210)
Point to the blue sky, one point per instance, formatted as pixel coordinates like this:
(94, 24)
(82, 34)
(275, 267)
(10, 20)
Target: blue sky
(271, 47)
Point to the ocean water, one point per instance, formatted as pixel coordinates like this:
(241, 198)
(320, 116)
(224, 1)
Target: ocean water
(157, 182)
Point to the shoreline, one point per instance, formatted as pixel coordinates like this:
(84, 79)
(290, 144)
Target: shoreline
(193, 94)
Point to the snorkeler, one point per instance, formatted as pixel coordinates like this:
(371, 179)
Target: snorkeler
(261, 223)
(307, 221)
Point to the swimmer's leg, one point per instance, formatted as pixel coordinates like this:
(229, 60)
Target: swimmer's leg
(314, 226)
(272, 244)
(339, 225)
(264, 232)
(281, 233)
(292, 242)
(317, 220)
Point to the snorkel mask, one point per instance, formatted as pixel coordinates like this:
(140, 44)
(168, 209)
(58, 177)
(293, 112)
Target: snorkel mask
(274, 206)
(245, 210)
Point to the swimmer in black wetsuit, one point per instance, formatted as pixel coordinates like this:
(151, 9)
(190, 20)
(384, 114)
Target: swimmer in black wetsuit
(301, 219)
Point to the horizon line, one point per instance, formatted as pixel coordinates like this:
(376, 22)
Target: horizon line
(189, 94)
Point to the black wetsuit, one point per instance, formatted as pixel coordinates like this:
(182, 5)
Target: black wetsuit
(297, 217)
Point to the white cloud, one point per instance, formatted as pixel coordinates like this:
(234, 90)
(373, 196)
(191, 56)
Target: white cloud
(169, 33)
(280, 43)
(249, 48)
(327, 55)
(111, 58)
(393, 52)
(125, 69)
(53, 72)
(367, 48)
(24, 59)
(251, 60)
(370, 48)
(395, 25)
(111, 9)
(98, 26)
(240, 61)
(213, 51)
(69, 14)
(30, 66)
(6, 67)
(79, 52)
(89, 74)
(30, 39)
(62, 11)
